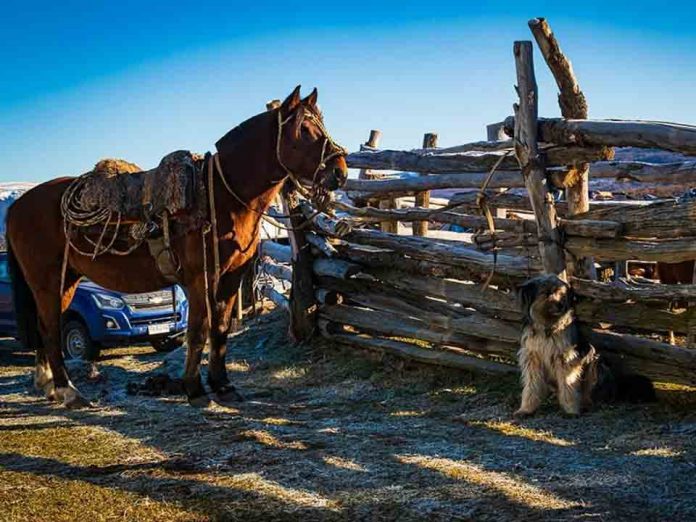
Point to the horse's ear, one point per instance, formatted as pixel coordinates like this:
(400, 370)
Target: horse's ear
(311, 100)
(291, 101)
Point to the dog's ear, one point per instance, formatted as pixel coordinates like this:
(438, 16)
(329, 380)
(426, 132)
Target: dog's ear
(526, 294)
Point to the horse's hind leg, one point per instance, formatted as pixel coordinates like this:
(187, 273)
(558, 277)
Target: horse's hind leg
(48, 306)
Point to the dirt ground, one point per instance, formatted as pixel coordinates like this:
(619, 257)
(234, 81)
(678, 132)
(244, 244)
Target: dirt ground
(327, 434)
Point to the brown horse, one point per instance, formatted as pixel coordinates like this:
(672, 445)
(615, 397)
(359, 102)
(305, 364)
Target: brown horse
(255, 159)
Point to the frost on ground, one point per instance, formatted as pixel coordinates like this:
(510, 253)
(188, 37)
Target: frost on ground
(332, 434)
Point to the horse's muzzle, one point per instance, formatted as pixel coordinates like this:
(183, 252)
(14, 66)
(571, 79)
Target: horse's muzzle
(337, 177)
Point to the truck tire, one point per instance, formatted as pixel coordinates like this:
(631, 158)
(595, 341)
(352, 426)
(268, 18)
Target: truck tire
(77, 343)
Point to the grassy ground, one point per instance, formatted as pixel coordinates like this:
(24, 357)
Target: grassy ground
(326, 434)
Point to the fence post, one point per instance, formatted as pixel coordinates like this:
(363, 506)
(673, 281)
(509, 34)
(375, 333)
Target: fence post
(420, 228)
(573, 106)
(532, 163)
(302, 301)
(372, 142)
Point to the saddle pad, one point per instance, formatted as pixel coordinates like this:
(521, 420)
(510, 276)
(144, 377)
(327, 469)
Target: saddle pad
(124, 188)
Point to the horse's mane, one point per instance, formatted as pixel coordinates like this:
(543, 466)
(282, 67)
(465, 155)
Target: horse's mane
(230, 140)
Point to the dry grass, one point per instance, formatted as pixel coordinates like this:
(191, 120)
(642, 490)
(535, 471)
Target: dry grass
(326, 435)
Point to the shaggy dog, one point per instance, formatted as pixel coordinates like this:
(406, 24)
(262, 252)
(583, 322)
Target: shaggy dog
(555, 357)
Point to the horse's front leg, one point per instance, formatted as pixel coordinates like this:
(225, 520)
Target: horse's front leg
(224, 391)
(196, 336)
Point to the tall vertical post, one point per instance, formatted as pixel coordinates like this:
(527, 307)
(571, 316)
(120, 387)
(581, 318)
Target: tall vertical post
(532, 163)
(372, 142)
(573, 106)
(420, 228)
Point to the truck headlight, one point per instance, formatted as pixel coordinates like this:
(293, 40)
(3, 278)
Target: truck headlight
(108, 302)
(179, 294)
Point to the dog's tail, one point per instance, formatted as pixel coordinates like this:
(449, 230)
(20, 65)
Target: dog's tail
(616, 385)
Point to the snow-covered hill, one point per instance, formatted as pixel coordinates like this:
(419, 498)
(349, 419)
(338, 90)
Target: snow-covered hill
(9, 192)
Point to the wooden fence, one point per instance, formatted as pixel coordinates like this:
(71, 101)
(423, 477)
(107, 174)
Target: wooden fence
(449, 299)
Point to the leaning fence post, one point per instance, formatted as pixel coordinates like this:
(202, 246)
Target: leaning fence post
(573, 106)
(302, 301)
(420, 228)
(532, 163)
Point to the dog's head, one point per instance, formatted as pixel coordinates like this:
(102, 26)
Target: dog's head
(545, 301)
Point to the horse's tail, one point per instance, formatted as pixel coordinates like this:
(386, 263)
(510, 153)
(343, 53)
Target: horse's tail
(24, 304)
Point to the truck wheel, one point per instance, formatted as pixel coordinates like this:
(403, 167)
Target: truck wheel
(167, 344)
(77, 343)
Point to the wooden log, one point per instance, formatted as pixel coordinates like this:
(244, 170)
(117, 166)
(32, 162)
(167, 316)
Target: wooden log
(675, 137)
(338, 268)
(440, 252)
(405, 186)
(634, 315)
(328, 225)
(668, 250)
(419, 354)
(320, 243)
(467, 201)
(456, 331)
(420, 228)
(276, 251)
(660, 362)
(573, 105)
(275, 297)
(372, 142)
(379, 258)
(623, 290)
(533, 168)
(282, 272)
(665, 219)
(676, 172)
(445, 161)
(302, 304)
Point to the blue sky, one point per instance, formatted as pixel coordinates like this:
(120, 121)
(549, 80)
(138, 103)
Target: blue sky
(85, 80)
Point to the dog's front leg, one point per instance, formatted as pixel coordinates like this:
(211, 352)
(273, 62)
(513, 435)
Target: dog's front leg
(569, 392)
(534, 387)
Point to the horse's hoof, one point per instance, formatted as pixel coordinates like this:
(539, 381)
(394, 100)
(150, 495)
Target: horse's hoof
(227, 396)
(522, 414)
(72, 399)
(201, 401)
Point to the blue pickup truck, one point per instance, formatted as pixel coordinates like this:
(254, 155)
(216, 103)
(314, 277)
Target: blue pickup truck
(98, 317)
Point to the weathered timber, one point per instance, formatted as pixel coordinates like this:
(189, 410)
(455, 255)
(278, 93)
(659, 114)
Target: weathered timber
(373, 142)
(634, 315)
(331, 226)
(382, 258)
(440, 252)
(443, 161)
(573, 105)
(467, 201)
(320, 243)
(664, 219)
(276, 251)
(675, 137)
(623, 290)
(660, 362)
(405, 186)
(422, 199)
(335, 268)
(456, 331)
(275, 297)
(667, 250)
(282, 272)
(676, 173)
(533, 166)
(302, 304)
(412, 352)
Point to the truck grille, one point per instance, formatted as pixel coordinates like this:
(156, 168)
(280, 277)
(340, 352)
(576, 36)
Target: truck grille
(172, 318)
(160, 300)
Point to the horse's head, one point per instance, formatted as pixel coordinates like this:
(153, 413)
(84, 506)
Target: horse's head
(305, 148)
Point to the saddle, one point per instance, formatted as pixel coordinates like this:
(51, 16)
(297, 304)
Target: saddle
(137, 206)
(123, 188)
